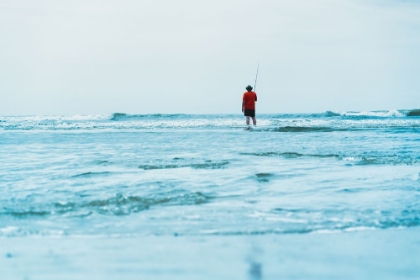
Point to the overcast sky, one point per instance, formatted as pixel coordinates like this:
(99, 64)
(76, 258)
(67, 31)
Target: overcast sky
(191, 56)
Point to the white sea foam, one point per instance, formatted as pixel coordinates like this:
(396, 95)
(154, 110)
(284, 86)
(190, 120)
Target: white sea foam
(8, 229)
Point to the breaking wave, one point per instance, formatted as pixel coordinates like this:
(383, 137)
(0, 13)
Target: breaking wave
(373, 114)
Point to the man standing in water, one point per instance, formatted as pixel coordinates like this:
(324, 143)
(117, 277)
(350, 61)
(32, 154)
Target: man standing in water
(248, 105)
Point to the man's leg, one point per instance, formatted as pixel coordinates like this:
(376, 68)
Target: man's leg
(254, 120)
(247, 120)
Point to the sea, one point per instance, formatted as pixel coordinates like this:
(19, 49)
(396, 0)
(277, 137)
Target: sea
(203, 197)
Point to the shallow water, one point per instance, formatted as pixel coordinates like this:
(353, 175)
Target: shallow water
(201, 175)
(376, 254)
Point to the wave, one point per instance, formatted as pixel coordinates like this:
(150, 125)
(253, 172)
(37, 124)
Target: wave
(205, 165)
(350, 159)
(117, 205)
(264, 177)
(290, 155)
(354, 114)
(381, 160)
(117, 116)
(332, 114)
(307, 129)
(91, 174)
(367, 218)
(373, 114)
(366, 225)
(124, 116)
(413, 113)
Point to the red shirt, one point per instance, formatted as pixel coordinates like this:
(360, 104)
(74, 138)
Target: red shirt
(249, 99)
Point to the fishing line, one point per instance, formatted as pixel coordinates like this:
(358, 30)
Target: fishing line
(256, 77)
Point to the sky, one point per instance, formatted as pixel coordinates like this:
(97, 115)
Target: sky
(196, 57)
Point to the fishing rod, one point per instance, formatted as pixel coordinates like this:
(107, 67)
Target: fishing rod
(256, 77)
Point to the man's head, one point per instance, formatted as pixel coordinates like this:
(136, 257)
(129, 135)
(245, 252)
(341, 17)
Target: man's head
(248, 88)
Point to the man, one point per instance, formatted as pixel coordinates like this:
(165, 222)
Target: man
(248, 105)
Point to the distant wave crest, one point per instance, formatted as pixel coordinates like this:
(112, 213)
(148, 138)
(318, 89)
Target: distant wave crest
(413, 113)
(124, 116)
(374, 114)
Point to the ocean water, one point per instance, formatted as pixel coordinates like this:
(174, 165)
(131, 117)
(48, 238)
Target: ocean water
(198, 176)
